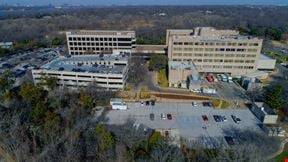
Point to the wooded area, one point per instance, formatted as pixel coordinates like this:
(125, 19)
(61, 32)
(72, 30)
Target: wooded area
(149, 24)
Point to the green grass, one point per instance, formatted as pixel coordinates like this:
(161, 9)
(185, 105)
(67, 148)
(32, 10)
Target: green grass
(278, 56)
(220, 104)
(281, 157)
(162, 78)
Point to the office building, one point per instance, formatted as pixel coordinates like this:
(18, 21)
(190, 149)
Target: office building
(108, 71)
(86, 42)
(215, 51)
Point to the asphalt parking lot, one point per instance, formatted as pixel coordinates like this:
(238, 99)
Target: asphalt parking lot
(230, 91)
(186, 119)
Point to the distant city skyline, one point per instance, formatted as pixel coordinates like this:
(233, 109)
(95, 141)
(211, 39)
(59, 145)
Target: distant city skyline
(144, 2)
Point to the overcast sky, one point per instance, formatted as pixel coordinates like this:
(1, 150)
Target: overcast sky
(145, 2)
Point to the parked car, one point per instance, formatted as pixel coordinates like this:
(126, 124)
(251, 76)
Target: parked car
(163, 116)
(152, 116)
(169, 116)
(236, 119)
(147, 103)
(194, 104)
(223, 118)
(207, 104)
(61, 69)
(210, 78)
(196, 90)
(217, 118)
(204, 117)
(152, 103)
(229, 140)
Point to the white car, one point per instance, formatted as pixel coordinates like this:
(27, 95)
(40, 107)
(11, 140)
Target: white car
(194, 104)
(163, 116)
(196, 90)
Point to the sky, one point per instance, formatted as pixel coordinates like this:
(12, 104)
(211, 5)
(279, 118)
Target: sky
(145, 2)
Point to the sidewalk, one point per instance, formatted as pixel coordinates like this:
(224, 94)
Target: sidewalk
(280, 150)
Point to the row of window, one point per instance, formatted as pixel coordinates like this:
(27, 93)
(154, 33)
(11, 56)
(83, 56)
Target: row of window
(215, 43)
(213, 55)
(80, 76)
(97, 39)
(99, 44)
(96, 48)
(225, 67)
(98, 82)
(91, 49)
(217, 60)
(216, 49)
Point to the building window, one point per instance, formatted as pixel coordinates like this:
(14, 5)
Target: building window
(178, 43)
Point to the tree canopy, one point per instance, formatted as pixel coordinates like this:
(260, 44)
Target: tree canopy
(274, 97)
(158, 62)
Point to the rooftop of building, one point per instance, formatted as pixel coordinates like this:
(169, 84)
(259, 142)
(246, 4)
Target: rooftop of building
(209, 34)
(265, 108)
(179, 65)
(102, 32)
(78, 64)
(216, 38)
(264, 57)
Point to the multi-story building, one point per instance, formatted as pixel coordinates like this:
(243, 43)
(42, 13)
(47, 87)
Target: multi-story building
(86, 42)
(108, 71)
(215, 51)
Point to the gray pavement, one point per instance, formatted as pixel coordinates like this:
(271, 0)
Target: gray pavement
(186, 119)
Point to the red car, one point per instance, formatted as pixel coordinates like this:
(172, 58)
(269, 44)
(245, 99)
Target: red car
(169, 116)
(210, 78)
(204, 117)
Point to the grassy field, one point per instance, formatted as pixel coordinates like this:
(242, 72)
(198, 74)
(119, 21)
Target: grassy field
(220, 104)
(278, 56)
(280, 43)
(162, 78)
(281, 157)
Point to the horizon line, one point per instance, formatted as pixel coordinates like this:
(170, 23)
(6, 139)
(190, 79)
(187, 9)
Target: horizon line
(135, 5)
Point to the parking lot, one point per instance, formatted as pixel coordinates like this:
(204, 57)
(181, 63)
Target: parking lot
(186, 119)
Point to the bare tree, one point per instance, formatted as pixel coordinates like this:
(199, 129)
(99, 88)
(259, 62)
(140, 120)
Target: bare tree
(255, 93)
(285, 74)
